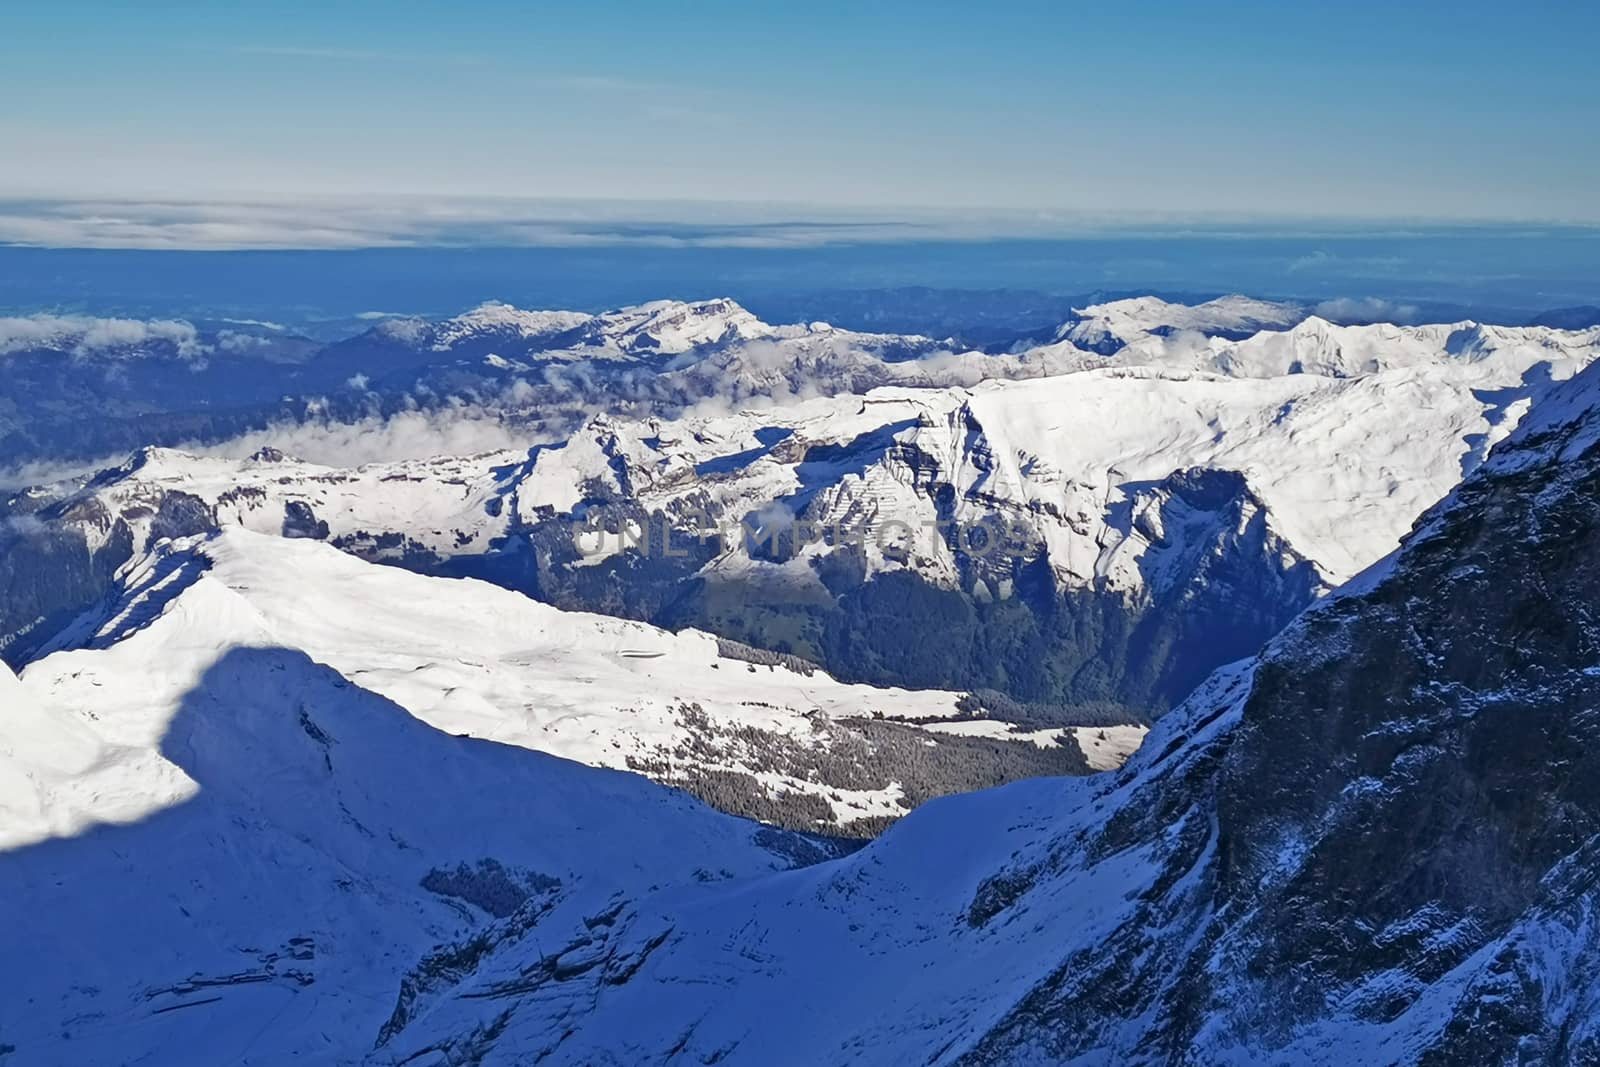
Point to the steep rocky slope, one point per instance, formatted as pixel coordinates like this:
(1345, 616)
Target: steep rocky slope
(1375, 843)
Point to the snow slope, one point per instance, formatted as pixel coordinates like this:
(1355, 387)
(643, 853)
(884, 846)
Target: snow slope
(1374, 843)
(1345, 443)
(229, 851)
(474, 660)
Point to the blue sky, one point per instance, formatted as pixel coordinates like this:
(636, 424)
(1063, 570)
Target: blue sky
(1461, 110)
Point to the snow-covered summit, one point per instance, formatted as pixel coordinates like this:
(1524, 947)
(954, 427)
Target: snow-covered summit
(672, 327)
(504, 320)
(1107, 327)
(658, 328)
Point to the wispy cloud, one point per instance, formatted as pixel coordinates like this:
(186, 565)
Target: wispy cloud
(419, 221)
(83, 336)
(402, 221)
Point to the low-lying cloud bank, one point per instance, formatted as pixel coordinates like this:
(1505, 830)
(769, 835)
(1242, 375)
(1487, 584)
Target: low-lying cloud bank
(449, 431)
(400, 221)
(323, 223)
(83, 335)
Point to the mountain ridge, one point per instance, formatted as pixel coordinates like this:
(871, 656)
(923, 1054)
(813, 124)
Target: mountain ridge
(1338, 437)
(1320, 857)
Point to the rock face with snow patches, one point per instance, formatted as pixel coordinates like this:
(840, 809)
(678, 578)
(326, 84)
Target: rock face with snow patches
(1165, 509)
(270, 801)
(1374, 843)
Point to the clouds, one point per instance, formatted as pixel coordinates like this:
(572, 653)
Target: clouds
(192, 226)
(454, 430)
(233, 341)
(334, 223)
(85, 336)
(424, 221)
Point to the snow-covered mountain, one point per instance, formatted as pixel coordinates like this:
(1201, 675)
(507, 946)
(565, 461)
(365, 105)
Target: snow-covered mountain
(226, 850)
(1164, 509)
(1373, 843)
(660, 336)
(663, 327)
(1167, 509)
(269, 801)
(1108, 327)
(754, 734)
(80, 388)
(177, 383)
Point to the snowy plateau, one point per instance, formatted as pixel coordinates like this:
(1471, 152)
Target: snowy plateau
(419, 761)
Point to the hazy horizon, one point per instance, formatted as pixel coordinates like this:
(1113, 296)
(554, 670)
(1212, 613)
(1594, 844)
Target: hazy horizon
(326, 223)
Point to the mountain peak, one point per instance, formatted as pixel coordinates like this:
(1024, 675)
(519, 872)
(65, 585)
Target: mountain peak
(672, 327)
(1106, 327)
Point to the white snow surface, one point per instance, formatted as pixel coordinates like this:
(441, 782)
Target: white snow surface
(1108, 747)
(1124, 321)
(868, 960)
(1345, 434)
(472, 659)
(662, 327)
(218, 843)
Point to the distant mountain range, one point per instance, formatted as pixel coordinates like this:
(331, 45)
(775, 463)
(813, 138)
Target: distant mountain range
(263, 800)
(1037, 565)
(81, 389)
(1167, 507)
